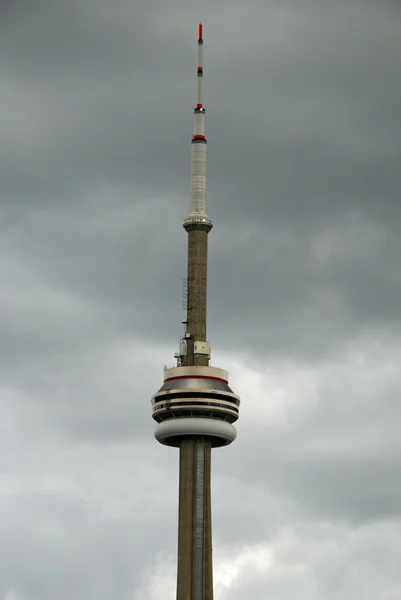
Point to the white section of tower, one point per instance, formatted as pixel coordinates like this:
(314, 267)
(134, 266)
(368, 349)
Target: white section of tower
(198, 178)
(197, 212)
(223, 433)
(199, 128)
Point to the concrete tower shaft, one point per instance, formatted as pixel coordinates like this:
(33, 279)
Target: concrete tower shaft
(195, 567)
(196, 298)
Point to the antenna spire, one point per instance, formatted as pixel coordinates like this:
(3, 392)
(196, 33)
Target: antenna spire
(197, 218)
(200, 65)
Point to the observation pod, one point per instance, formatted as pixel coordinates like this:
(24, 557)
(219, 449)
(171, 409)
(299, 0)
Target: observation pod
(195, 401)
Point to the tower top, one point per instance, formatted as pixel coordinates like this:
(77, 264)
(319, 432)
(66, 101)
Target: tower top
(198, 218)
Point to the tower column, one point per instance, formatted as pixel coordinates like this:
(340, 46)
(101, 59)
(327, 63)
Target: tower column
(195, 573)
(185, 520)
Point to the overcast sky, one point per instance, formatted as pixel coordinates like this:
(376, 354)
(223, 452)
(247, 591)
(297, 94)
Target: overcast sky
(303, 101)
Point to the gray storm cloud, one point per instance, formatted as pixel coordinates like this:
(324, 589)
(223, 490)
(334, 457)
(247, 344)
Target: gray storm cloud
(303, 124)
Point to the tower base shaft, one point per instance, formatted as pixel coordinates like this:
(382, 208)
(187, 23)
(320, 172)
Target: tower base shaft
(195, 574)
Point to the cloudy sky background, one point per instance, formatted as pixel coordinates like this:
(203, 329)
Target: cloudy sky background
(303, 119)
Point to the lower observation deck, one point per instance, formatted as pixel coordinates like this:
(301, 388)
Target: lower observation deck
(195, 400)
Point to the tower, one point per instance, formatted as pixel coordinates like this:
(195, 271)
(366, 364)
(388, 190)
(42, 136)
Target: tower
(195, 408)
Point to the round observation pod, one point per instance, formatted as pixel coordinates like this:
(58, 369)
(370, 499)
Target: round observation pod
(200, 394)
(195, 392)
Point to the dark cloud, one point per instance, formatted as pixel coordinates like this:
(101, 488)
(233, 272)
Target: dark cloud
(303, 125)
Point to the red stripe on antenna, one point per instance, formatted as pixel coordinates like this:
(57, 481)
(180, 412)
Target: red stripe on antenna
(200, 31)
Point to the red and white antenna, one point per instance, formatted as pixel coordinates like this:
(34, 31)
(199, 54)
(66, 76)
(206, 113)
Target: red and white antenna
(197, 216)
(200, 65)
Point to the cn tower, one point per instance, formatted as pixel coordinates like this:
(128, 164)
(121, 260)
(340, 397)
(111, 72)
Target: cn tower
(195, 408)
